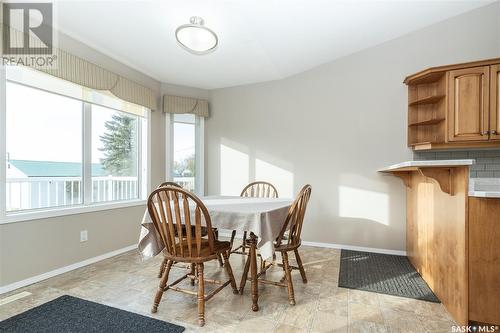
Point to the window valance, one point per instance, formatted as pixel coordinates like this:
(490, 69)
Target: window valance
(179, 104)
(82, 72)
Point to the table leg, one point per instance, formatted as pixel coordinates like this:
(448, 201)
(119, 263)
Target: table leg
(253, 272)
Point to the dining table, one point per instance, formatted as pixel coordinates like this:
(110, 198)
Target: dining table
(262, 218)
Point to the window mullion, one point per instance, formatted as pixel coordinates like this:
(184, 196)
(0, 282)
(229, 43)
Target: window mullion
(199, 156)
(3, 139)
(139, 158)
(87, 153)
(169, 146)
(147, 147)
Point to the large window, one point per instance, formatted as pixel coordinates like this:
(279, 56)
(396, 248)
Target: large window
(185, 151)
(44, 149)
(69, 146)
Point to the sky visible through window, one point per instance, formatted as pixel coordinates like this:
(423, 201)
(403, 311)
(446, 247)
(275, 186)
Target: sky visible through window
(184, 148)
(42, 126)
(47, 127)
(184, 141)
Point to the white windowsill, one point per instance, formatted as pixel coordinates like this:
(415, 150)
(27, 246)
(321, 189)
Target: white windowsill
(63, 211)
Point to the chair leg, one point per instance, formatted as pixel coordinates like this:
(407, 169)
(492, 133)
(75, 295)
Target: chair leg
(244, 242)
(301, 267)
(288, 274)
(283, 279)
(219, 258)
(229, 271)
(201, 295)
(244, 277)
(161, 287)
(233, 235)
(162, 267)
(193, 272)
(253, 272)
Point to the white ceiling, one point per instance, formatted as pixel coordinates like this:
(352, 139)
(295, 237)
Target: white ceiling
(259, 40)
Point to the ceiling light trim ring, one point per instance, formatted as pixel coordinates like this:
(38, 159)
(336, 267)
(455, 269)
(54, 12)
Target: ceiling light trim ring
(198, 23)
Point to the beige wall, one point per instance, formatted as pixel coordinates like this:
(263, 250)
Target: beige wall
(35, 247)
(334, 126)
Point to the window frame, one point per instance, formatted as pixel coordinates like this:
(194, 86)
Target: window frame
(144, 171)
(199, 151)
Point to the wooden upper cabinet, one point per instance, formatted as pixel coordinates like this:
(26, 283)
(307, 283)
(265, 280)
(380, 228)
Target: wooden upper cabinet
(468, 108)
(495, 102)
(455, 106)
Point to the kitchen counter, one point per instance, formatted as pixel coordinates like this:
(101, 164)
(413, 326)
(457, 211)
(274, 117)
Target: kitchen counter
(443, 171)
(412, 165)
(478, 187)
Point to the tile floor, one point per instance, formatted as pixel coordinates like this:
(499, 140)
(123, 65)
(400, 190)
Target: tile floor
(129, 282)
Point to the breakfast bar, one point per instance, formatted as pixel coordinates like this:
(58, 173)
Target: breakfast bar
(452, 224)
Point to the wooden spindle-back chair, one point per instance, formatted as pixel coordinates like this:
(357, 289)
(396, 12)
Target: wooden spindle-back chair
(171, 208)
(203, 231)
(258, 189)
(288, 240)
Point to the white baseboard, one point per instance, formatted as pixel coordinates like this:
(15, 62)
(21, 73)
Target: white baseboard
(355, 248)
(47, 275)
(225, 233)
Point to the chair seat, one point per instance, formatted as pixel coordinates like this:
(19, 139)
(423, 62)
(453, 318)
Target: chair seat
(205, 253)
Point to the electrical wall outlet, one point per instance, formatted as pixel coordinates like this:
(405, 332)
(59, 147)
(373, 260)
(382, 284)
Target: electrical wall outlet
(84, 236)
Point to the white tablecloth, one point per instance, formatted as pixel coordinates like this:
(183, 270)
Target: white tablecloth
(262, 216)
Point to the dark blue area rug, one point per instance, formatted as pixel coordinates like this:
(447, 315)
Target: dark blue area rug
(384, 274)
(68, 314)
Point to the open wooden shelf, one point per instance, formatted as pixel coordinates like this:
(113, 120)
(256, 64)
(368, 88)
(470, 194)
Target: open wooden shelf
(425, 78)
(426, 122)
(427, 100)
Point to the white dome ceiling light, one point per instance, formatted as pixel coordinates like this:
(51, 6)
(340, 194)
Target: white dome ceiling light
(195, 37)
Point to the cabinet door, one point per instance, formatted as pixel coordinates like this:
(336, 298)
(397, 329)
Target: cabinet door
(484, 260)
(495, 102)
(468, 108)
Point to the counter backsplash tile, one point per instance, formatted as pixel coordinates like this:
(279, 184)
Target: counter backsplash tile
(487, 161)
(485, 184)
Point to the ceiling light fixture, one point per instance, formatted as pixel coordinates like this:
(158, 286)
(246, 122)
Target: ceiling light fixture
(195, 37)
